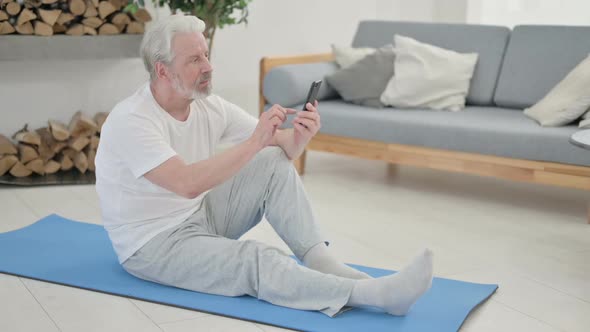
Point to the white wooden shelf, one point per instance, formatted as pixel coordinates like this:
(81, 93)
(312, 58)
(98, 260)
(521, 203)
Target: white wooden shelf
(64, 47)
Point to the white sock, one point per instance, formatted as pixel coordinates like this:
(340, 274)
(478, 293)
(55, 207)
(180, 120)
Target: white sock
(398, 292)
(320, 258)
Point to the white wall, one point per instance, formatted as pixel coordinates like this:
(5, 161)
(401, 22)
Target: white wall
(518, 12)
(451, 11)
(404, 10)
(33, 91)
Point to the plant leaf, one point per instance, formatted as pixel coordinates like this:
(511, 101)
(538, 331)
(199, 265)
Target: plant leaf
(131, 8)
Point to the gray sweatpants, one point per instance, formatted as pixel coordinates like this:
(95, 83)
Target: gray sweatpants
(204, 254)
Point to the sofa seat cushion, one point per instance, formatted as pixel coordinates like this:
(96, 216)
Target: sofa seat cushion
(484, 130)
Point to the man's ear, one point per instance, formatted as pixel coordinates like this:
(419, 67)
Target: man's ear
(162, 71)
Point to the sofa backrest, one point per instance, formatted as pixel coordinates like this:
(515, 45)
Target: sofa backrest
(537, 58)
(488, 41)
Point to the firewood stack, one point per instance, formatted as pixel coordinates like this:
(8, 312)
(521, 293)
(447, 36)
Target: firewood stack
(72, 17)
(53, 148)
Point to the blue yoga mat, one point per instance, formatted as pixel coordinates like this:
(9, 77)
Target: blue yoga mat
(76, 254)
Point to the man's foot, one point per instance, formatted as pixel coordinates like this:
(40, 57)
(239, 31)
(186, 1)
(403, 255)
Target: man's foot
(398, 292)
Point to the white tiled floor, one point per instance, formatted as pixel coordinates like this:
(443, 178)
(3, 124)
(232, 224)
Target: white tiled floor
(532, 240)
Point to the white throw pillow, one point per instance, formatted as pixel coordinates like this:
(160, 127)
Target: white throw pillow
(427, 76)
(567, 101)
(346, 55)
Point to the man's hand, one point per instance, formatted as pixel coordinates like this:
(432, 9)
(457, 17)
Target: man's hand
(306, 124)
(269, 123)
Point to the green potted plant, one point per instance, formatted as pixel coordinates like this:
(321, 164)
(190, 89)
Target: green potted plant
(215, 13)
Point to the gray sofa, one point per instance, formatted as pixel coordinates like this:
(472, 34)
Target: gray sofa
(516, 68)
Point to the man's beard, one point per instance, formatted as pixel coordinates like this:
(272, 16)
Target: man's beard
(193, 93)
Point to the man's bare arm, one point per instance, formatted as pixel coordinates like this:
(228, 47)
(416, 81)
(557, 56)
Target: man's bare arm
(192, 180)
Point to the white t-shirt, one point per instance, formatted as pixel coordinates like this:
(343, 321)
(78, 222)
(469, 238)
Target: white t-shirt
(138, 136)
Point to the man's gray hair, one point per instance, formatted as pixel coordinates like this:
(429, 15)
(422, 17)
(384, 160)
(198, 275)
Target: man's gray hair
(157, 40)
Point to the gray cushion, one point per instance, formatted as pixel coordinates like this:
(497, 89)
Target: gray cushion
(488, 41)
(537, 58)
(364, 81)
(484, 130)
(288, 85)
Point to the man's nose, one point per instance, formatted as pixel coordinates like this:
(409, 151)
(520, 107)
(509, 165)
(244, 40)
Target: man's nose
(207, 68)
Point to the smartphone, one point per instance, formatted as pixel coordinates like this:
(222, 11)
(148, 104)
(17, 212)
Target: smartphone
(313, 93)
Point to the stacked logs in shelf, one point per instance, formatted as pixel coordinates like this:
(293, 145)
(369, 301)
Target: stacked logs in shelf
(72, 17)
(53, 148)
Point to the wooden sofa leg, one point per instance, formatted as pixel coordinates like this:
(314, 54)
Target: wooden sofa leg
(300, 163)
(588, 213)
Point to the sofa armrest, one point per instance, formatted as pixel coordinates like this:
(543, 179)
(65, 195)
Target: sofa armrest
(286, 80)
